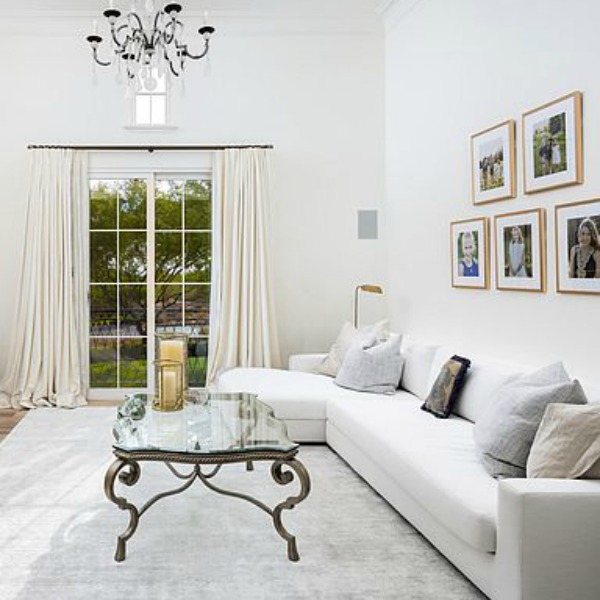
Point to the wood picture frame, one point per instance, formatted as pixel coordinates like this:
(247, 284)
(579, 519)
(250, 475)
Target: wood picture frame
(520, 250)
(552, 144)
(493, 163)
(577, 239)
(469, 251)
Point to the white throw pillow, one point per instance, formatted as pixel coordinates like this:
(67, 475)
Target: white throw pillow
(567, 443)
(374, 367)
(418, 359)
(348, 336)
(505, 432)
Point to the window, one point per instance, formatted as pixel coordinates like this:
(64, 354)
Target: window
(150, 246)
(150, 103)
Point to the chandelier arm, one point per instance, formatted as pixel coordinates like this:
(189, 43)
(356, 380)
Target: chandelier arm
(100, 62)
(139, 21)
(115, 32)
(171, 67)
(201, 55)
(173, 25)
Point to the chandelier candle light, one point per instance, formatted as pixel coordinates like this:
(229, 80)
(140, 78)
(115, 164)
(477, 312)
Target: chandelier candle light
(148, 43)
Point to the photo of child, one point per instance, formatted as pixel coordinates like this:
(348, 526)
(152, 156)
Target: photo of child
(517, 251)
(467, 254)
(549, 146)
(491, 165)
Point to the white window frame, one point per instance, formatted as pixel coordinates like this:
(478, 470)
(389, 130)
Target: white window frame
(134, 125)
(150, 175)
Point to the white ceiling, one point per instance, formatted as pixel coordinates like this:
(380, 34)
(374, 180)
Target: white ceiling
(275, 8)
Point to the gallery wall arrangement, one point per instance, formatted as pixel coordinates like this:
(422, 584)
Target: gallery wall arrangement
(552, 157)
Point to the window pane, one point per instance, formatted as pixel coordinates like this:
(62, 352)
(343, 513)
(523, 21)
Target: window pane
(133, 310)
(159, 110)
(197, 304)
(103, 362)
(103, 310)
(142, 110)
(168, 205)
(197, 353)
(103, 257)
(133, 256)
(198, 204)
(133, 204)
(168, 257)
(197, 257)
(134, 363)
(103, 205)
(168, 306)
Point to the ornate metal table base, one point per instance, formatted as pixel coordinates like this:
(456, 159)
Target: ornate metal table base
(284, 468)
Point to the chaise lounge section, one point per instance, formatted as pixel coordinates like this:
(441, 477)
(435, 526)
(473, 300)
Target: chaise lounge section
(516, 539)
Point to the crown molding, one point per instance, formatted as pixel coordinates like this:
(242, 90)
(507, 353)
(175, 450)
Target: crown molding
(65, 23)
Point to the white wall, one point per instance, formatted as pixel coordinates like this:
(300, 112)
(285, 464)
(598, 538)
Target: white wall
(453, 69)
(312, 90)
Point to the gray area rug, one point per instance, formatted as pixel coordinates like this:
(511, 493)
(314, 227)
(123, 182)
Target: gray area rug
(58, 531)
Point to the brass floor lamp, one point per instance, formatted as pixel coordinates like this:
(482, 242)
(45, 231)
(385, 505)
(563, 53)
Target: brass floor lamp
(365, 287)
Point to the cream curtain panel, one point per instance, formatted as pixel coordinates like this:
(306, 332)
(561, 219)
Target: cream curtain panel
(243, 331)
(48, 363)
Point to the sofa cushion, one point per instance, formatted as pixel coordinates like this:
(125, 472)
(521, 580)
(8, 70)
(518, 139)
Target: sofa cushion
(483, 379)
(418, 358)
(375, 369)
(504, 434)
(291, 394)
(433, 460)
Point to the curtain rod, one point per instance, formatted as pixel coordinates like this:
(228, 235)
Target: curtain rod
(148, 148)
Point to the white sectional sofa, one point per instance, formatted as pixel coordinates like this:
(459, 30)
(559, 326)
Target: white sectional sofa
(516, 539)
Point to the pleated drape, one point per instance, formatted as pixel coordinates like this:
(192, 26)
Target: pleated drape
(243, 330)
(48, 360)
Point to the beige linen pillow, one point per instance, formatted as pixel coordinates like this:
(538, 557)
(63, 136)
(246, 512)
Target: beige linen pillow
(567, 443)
(348, 336)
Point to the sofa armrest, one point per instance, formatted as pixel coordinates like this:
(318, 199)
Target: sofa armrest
(548, 539)
(308, 363)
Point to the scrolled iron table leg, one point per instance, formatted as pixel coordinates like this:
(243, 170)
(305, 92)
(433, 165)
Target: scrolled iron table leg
(283, 478)
(129, 477)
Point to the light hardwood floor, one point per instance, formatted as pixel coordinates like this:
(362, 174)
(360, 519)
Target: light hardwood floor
(10, 418)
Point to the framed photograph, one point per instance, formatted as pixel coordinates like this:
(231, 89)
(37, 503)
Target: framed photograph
(577, 228)
(493, 163)
(553, 144)
(470, 253)
(520, 239)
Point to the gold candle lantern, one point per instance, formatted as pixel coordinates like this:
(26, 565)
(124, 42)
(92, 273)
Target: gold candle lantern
(169, 395)
(171, 378)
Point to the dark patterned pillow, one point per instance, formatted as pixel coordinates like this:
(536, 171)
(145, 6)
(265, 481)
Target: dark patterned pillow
(446, 388)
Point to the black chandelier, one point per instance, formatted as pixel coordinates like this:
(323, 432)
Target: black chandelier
(148, 44)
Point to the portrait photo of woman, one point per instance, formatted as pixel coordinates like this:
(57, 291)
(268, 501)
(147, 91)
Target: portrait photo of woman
(577, 227)
(584, 256)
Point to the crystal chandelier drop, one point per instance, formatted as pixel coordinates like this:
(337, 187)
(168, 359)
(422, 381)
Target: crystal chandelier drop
(148, 43)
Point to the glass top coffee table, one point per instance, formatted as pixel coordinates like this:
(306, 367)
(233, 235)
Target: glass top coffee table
(211, 431)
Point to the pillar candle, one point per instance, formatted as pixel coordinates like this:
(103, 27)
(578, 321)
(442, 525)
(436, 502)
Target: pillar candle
(172, 350)
(169, 389)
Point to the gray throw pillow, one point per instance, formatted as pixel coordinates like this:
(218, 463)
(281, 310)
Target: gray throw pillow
(505, 432)
(372, 367)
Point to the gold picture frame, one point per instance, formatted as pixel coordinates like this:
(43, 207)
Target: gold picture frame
(470, 253)
(552, 144)
(520, 250)
(577, 260)
(493, 163)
